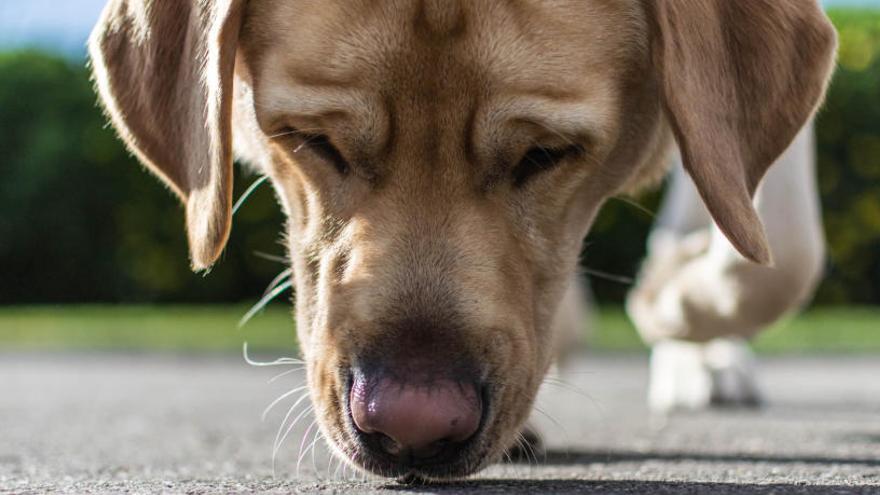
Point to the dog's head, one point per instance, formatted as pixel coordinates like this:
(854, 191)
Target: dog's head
(440, 163)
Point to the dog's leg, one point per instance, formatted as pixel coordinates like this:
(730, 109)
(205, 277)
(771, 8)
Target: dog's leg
(698, 301)
(688, 375)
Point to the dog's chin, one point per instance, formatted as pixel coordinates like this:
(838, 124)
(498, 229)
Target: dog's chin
(422, 471)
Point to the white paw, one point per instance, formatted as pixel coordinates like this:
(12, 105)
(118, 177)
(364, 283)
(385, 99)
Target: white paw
(734, 372)
(690, 376)
(679, 378)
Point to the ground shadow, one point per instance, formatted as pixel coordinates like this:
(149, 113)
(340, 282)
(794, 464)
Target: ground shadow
(630, 487)
(584, 458)
(580, 458)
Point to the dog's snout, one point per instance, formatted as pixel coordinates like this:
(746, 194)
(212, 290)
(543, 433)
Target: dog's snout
(415, 420)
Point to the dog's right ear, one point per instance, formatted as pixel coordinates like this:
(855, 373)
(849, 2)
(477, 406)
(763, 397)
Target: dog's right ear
(164, 71)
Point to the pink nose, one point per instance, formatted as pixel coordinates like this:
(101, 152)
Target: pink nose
(416, 419)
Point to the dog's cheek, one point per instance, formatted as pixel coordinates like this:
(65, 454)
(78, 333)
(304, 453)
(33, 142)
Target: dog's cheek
(326, 388)
(517, 371)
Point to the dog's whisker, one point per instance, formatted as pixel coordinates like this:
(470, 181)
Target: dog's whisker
(635, 205)
(271, 257)
(552, 420)
(292, 132)
(278, 362)
(526, 449)
(285, 274)
(314, 447)
(247, 193)
(508, 456)
(290, 411)
(302, 446)
(305, 142)
(279, 439)
(278, 445)
(279, 399)
(558, 382)
(285, 373)
(266, 299)
(622, 279)
(339, 466)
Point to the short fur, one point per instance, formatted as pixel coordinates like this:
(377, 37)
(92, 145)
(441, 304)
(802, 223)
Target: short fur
(423, 242)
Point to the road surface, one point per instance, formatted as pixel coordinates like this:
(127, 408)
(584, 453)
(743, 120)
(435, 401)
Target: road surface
(145, 423)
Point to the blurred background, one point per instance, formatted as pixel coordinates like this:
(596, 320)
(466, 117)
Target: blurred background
(93, 253)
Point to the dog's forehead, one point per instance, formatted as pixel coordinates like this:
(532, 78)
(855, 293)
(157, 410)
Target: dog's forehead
(407, 47)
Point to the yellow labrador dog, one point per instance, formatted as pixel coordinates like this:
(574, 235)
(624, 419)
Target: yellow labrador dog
(440, 163)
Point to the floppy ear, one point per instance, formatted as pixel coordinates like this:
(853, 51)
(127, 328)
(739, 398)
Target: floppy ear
(164, 71)
(739, 79)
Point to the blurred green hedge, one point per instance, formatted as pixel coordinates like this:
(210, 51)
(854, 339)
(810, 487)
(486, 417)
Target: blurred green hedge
(80, 221)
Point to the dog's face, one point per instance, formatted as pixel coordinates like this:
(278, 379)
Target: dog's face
(440, 163)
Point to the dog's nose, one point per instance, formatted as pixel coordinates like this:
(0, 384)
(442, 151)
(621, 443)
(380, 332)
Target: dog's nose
(415, 419)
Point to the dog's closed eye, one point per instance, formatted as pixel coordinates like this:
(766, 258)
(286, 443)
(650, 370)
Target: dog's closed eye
(542, 158)
(318, 145)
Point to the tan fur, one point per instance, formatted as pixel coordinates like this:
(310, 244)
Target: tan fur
(425, 240)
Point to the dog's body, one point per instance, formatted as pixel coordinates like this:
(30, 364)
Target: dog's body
(440, 163)
(698, 301)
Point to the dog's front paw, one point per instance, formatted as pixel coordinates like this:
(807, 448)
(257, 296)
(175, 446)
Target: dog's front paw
(734, 378)
(679, 378)
(691, 376)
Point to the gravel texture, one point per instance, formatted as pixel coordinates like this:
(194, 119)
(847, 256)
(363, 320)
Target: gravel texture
(143, 423)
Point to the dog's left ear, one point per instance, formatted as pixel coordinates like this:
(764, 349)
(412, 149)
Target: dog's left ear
(164, 71)
(739, 79)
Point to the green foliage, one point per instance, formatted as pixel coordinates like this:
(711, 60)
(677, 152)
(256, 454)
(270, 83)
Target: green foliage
(213, 328)
(848, 138)
(81, 221)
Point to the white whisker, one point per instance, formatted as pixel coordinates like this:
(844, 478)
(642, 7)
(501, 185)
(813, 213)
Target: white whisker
(280, 398)
(271, 257)
(247, 193)
(277, 280)
(621, 279)
(314, 447)
(302, 445)
(635, 205)
(266, 299)
(285, 373)
(286, 417)
(278, 445)
(295, 131)
(278, 362)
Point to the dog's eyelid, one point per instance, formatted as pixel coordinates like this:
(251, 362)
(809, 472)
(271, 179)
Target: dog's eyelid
(540, 158)
(317, 142)
(282, 132)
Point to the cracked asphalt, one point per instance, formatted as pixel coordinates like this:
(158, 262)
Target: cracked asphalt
(154, 423)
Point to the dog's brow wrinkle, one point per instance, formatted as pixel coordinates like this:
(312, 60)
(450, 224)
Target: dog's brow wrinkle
(546, 93)
(317, 79)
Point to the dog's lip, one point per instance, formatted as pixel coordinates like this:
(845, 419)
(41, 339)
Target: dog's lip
(417, 470)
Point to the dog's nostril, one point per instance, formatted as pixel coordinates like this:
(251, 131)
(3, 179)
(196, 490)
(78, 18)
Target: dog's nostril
(415, 420)
(390, 445)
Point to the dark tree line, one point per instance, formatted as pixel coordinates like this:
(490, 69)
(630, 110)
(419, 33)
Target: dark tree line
(80, 221)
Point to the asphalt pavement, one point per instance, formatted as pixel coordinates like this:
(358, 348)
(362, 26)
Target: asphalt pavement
(147, 423)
